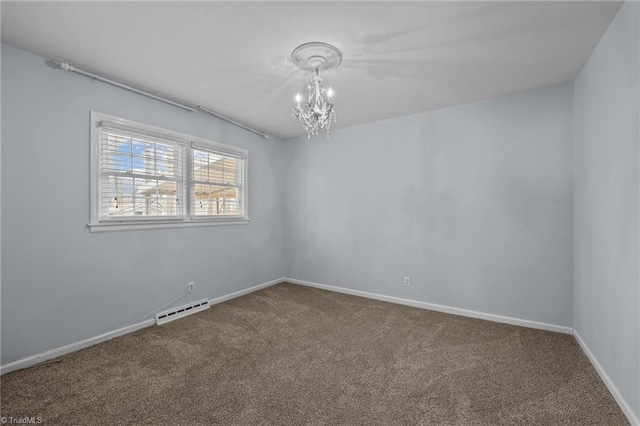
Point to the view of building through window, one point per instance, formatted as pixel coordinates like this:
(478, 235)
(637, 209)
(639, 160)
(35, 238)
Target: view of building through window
(140, 177)
(146, 177)
(216, 182)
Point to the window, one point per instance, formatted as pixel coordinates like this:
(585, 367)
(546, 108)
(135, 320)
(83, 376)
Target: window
(217, 182)
(146, 177)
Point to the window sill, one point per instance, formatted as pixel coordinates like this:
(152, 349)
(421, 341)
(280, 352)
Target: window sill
(136, 226)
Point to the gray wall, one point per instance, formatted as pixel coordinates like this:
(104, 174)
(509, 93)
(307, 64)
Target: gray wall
(606, 289)
(62, 283)
(473, 202)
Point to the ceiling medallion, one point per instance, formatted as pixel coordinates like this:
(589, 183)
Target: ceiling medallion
(317, 111)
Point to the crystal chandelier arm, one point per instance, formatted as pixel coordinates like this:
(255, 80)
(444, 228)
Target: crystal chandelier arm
(316, 112)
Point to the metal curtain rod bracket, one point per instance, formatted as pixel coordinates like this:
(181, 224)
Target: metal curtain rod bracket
(96, 77)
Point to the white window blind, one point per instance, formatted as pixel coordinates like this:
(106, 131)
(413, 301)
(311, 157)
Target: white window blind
(140, 176)
(146, 176)
(217, 184)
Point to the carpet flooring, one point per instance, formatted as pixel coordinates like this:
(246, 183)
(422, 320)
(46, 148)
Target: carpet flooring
(291, 355)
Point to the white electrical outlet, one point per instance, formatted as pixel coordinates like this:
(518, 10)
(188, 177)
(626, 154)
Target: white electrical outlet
(192, 286)
(407, 281)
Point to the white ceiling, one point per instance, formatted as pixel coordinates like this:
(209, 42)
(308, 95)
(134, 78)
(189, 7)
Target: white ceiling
(399, 58)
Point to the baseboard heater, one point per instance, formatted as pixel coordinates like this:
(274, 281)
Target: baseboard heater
(181, 311)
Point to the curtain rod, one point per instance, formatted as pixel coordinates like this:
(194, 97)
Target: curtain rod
(68, 67)
(215, 114)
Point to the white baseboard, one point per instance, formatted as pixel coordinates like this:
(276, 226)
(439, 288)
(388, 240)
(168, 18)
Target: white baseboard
(624, 406)
(436, 307)
(72, 347)
(243, 292)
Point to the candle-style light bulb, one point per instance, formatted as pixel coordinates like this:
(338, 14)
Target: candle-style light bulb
(298, 99)
(330, 92)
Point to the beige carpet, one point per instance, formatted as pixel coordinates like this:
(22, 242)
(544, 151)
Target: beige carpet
(290, 355)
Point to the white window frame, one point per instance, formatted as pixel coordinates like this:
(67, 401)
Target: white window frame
(96, 224)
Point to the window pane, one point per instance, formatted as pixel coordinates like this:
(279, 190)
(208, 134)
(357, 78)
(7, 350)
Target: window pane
(116, 153)
(165, 160)
(215, 168)
(213, 200)
(121, 153)
(200, 163)
(128, 197)
(117, 196)
(156, 198)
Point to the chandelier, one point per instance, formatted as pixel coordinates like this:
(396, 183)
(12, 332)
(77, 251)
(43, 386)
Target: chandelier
(317, 111)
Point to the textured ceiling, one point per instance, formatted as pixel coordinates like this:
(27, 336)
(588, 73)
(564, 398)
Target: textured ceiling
(399, 58)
